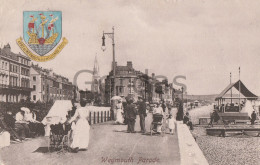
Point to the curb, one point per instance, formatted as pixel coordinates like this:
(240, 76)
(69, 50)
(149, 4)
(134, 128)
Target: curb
(190, 152)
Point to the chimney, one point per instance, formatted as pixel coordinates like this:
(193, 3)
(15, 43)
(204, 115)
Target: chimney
(7, 48)
(129, 64)
(146, 72)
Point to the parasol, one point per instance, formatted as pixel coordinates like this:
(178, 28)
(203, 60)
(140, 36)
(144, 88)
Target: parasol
(25, 109)
(116, 98)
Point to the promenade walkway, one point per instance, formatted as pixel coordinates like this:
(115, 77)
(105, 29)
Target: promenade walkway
(109, 144)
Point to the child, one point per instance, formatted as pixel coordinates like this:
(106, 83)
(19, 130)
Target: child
(171, 124)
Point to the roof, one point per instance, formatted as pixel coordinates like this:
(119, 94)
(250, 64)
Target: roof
(6, 51)
(243, 90)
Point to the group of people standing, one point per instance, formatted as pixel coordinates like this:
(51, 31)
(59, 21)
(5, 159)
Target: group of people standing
(126, 113)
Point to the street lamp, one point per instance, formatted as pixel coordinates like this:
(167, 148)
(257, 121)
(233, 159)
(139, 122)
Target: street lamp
(182, 94)
(103, 47)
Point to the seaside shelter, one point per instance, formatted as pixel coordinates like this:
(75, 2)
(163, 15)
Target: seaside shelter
(226, 101)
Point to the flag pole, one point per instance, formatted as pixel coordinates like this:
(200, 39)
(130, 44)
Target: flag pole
(231, 87)
(239, 91)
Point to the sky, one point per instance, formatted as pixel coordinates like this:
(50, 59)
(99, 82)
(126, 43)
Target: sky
(201, 40)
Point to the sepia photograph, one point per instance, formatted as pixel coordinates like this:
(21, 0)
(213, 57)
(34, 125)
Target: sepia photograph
(118, 82)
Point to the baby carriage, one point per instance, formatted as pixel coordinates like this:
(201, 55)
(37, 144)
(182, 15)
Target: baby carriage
(59, 139)
(157, 125)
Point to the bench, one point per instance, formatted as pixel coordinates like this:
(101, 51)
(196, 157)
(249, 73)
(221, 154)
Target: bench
(242, 121)
(224, 130)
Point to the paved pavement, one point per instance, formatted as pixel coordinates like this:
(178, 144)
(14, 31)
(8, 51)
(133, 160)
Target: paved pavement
(109, 144)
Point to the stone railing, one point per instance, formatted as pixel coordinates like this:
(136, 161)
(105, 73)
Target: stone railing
(189, 150)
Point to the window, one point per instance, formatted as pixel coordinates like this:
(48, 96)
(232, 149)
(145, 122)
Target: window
(11, 67)
(34, 97)
(121, 89)
(43, 87)
(34, 87)
(121, 81)
(34, 78)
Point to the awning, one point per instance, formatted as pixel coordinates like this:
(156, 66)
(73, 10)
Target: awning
(243, 90)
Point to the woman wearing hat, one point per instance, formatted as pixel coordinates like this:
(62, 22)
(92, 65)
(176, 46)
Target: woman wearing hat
(119, 113)
(80, 131)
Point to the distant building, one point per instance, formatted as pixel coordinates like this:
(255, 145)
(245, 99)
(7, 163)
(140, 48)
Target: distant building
(14, 76)
(95, 78)
(50, 86)
(129, 82)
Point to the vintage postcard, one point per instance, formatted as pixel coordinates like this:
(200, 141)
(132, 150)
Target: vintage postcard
(167, 82)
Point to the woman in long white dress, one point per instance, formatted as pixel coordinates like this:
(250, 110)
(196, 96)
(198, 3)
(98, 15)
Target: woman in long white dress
(119, 113)
(80, 131)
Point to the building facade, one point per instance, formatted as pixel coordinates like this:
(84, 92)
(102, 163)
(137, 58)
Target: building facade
(49, 86)
(14, 76)
(130, 82)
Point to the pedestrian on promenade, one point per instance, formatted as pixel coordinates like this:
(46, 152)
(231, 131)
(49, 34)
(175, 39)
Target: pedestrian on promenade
(253, 118)
(214, 117)
(119, 113)
(171, 123)
(187, 120)
(80, 131)
(124, 103)
(169, 109)
(142, 113)
(179, 115)
(131, 113)
(163, 106)
(158, 110)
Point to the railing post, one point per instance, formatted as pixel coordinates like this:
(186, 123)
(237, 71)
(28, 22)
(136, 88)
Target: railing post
(101, 116)
(89, 118)
(98, 117)
(108, 115)
(105, 117)
(94, 118)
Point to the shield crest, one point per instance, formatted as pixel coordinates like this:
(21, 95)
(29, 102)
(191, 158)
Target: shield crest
(42, 30)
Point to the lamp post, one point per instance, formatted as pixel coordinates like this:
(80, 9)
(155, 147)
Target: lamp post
(111, 35)
(182, 94)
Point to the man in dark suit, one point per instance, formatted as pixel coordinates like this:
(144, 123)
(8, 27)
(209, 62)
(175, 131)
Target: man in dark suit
(187, 120)
(142, 113)
(131, 116)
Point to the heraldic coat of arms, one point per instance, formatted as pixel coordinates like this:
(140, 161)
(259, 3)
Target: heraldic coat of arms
(42, 31)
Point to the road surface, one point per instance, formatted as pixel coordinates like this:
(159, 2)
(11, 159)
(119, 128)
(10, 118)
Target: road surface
(109, 144)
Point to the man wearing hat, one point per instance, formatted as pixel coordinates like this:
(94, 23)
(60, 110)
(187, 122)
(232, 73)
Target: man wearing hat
(131, 115)
(214, 117)
(142, 113)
